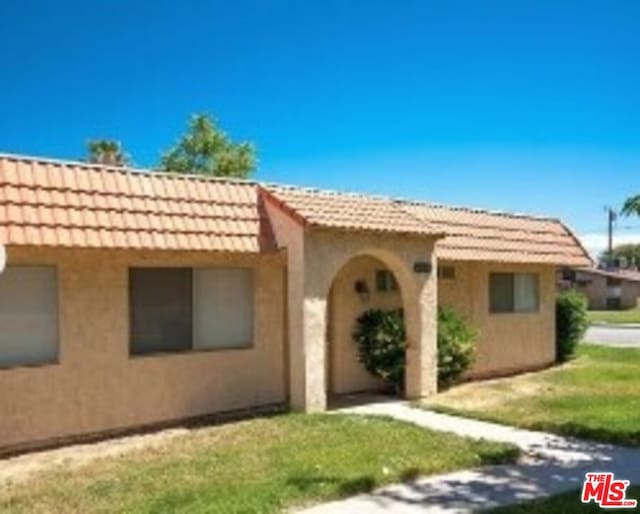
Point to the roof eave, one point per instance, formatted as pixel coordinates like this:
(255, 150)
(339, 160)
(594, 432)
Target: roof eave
(403, 233)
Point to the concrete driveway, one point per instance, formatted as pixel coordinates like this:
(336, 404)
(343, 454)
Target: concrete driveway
(614, 336)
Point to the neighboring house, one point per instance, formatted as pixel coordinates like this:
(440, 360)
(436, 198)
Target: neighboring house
(133, 299)
(605, 289)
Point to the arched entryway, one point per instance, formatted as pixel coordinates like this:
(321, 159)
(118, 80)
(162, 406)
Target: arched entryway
(363, 283)
(315, 257)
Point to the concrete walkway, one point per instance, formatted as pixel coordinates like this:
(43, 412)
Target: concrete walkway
(551, 465)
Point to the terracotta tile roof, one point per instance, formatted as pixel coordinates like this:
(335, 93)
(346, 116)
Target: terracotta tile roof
(470, 234)
(55, 203)
(46, 202)
(345, 211)
(494, 236)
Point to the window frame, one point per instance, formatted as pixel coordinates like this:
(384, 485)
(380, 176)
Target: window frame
(56, 361)
(384, 277)
(513, 309)
(250, 345)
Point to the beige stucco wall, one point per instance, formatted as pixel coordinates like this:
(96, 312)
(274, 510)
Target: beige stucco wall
(289, 237)
(97, 386)
(507, 342)
(346, 374)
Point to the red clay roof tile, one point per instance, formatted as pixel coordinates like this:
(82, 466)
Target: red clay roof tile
(470, 234)
(76, 204)
(347, 211)
(496, 236)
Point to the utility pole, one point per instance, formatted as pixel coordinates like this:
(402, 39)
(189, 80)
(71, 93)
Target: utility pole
(612, 217)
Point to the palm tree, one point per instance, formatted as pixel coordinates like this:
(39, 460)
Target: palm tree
(106, 151)
(631, 206)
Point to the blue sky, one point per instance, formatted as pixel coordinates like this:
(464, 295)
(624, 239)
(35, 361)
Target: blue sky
(525, 106)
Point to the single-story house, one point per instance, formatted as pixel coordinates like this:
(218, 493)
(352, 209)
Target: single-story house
(132, 298)
(613, 289)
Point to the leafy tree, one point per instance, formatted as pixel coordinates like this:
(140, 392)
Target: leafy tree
(630, 251)
(205, 149)
(106, 151)
(631, 206)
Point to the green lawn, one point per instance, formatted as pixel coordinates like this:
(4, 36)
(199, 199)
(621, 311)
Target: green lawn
(567, 503)
(615, 317)
(261, 465)
(596, 396)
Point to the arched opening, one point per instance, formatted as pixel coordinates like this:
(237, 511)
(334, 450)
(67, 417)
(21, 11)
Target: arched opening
(363, 283)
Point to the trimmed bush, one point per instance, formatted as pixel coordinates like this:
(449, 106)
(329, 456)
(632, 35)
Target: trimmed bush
(381, 339)
(571, 323)
(456, 346)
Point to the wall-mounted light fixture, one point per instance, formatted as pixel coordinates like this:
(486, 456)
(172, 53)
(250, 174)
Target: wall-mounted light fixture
(362, 289)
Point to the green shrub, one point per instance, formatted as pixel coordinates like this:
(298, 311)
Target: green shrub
(456, 346)
(381, 339)
(571, 323)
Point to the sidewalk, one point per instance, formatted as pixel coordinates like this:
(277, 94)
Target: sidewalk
(551, 464)
(604, 324)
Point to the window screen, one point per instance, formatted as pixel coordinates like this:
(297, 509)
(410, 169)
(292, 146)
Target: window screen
(28, 315)
(525, 292)
(501, 292)
(513, 292)
(161, 309)
(223, 303)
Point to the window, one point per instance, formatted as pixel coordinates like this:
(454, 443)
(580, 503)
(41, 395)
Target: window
(447, 272)
(223, 308)
(28, 315)
(513, 292)
(385, 281)
(182, 309)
